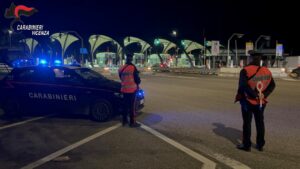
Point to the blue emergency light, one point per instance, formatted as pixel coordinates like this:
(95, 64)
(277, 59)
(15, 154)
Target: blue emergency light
(57, 62)
(43, 62)
(140, 93)
(22, 63)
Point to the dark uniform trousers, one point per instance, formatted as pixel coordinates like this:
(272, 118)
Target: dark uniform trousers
(129, 99)
(247, 111)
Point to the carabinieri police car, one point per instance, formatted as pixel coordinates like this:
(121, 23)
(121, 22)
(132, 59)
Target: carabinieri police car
(62, 89)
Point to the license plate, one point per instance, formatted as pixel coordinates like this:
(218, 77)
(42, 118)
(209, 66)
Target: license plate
(142, 101)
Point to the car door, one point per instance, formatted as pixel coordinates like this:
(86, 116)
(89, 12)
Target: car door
(34, 88)
(72, 92)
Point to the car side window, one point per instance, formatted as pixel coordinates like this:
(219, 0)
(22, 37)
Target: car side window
(25, 75)
(65, 76)
(41, 75)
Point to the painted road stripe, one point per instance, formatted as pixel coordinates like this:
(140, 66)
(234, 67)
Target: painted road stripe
(223, 159)
(23, 122)
(69, 148)
(207, 163)
(229, 162)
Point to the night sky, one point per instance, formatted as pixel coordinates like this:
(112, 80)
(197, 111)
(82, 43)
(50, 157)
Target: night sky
(217, 19)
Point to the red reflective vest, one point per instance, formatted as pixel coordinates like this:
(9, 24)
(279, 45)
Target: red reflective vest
(127, 78)
(261, 80)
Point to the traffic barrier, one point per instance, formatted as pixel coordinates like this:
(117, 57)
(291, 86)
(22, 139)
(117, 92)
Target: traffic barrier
(153, 70)
(201, 70)
(235, 72)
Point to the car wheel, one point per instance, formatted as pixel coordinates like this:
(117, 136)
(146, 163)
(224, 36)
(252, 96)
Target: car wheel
(12, 108)
(101, 110)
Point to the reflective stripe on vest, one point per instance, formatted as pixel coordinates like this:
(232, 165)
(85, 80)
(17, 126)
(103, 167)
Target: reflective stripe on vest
(127, 78)
(263, 77)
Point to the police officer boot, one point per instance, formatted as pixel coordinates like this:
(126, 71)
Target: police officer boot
(259, 148)
(135, 125)
(243, 147)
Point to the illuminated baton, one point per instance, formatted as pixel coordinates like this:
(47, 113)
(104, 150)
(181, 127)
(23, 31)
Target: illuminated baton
(259, 87)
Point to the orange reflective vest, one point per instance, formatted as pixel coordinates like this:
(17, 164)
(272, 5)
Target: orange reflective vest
(260, 81)
(127, 78)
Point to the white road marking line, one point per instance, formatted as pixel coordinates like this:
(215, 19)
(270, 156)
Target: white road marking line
(23, 122)
(207, 163)
(229, 162)
(69, 148)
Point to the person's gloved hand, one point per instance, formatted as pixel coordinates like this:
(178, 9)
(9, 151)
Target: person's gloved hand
(238, 97)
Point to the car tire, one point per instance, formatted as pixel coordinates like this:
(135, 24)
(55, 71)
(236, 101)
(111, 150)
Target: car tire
(12, 108)
(101, 111)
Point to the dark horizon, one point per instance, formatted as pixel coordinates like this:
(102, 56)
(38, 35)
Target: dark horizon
(148, 20)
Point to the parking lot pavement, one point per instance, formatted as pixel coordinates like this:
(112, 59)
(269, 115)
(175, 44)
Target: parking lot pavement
(28, 142)
(39, 142)
(126, 148)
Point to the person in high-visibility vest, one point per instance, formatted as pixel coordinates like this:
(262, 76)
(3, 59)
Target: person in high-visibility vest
(255, 85)
(130, 82)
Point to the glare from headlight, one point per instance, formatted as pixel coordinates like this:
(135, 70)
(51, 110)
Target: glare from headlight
(282, 69)
(106, 68)
(149, 68)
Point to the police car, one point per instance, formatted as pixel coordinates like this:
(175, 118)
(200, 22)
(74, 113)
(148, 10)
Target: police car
(62, 89)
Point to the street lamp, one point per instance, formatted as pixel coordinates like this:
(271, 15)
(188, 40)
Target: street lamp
(174, 33)
(267, 38)
(239, 35)
(236, 53)
(10, 32)
(176, 59)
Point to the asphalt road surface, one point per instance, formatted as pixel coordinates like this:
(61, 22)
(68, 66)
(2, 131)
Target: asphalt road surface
(188, 122)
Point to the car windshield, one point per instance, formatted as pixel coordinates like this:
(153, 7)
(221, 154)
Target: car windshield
(89, 74)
